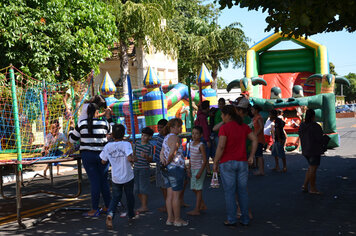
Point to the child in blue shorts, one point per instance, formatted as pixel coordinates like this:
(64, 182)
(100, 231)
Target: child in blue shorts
(196, 170)
(143, 153)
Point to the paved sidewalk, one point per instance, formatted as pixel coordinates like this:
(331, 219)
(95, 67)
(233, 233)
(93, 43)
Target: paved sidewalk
(277, 203)
(30, 171)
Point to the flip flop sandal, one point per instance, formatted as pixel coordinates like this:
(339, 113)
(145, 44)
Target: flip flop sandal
(169, 223)
(304, 190)
(316, 193)
(227, 223)
(180, 224)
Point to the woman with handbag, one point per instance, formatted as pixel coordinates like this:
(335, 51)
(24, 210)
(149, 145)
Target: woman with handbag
(311, 138)
(231, 156)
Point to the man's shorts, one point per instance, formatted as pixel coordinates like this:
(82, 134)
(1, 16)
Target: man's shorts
(259, 150)
(197, 184)
(142, 180)
(174, 178)
(313, 160)
(278, 150)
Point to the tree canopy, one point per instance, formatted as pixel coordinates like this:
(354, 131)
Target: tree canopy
(302, 18)
(204, 41)
(221, 84)
(141, 22)
(55, 39)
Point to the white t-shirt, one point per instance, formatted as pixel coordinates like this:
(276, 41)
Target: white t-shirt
(84, 112)
(116, 153)
(268, 127)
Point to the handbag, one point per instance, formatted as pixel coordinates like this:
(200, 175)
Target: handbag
(215, 181)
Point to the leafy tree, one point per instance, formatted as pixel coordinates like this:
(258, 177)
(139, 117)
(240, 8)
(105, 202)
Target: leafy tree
(221, 84)
(301, 18)
(332, 68)
(350, 92)
(204, 41)
(140, 22)
(55, 39)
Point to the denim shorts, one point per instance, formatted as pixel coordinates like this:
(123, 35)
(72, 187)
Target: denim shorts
(278, 150)
(174, 178)
(142, 180)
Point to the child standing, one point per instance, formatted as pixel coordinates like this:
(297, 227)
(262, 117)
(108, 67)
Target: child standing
(196, 170)
(159, 178)
(202, 121)
(119, 154)
(279, 137)
(143, 153)
(258, 130)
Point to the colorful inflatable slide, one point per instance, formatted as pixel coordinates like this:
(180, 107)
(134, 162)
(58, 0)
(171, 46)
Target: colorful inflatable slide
(281, 78)
(155, 101)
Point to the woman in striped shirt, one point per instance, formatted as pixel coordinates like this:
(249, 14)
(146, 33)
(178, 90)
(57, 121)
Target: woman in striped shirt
(92, 135)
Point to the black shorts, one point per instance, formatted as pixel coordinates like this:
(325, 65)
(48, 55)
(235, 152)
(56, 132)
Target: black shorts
(259, 150)
(313, 160)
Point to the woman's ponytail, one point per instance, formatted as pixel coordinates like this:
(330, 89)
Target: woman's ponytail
(92, 108)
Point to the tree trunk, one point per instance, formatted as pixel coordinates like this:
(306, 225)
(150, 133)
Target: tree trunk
(214, 74)
(124, 68)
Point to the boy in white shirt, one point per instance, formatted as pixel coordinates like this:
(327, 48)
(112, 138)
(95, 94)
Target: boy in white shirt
(119, 154)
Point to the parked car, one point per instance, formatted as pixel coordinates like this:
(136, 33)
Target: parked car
(352, 107)
(343, 109)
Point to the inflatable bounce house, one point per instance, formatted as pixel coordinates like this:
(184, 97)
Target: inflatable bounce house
(147, 105)
(289, 79)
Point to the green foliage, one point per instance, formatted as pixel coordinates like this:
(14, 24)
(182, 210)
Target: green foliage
(332, 68)
(141, 22)
(221, 83)
(202, 40)
(302, 18)
(350, 92)
(55, 39)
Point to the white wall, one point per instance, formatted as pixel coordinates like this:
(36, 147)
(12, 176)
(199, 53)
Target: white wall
(234, 93)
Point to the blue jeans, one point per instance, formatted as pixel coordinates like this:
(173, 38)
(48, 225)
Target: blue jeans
(98, 177)
(234, 176)
(117, 194)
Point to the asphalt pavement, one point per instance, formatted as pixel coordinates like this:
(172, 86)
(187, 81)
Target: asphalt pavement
(277, 203)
